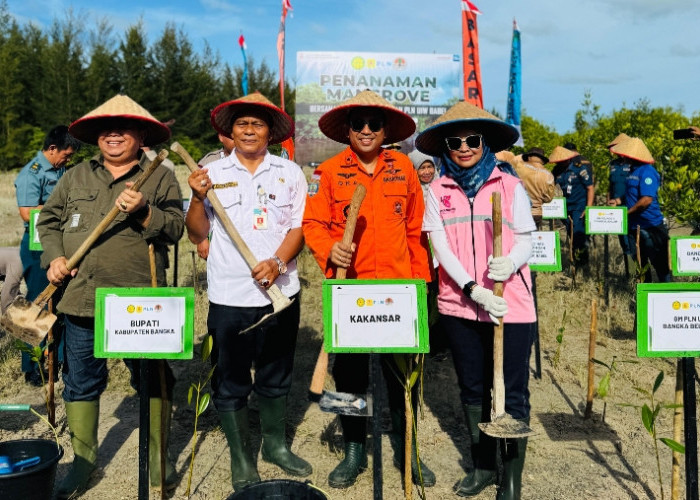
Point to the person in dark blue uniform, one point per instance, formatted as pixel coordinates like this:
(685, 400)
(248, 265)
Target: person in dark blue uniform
(643, 210)
(576, 182)
(619, 169)
(33, 185)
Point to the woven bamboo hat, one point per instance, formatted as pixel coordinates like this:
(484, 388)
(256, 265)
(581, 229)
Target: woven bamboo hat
(119, 107)
(620, 137)
(397, 124)
(536, 152)
(280, 123)
(560, 154)
(497, 134)
(634, 149)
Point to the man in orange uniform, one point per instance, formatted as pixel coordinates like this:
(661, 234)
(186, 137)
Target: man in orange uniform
(386, 243)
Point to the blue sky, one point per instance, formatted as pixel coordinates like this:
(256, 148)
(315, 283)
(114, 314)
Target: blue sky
(620, 50)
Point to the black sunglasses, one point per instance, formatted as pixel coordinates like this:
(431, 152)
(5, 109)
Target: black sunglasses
(472, 142)
(358, 124)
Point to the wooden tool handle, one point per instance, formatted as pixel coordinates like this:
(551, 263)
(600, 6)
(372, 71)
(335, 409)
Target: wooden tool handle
(73, 261)
(499, 399)
(319, 376)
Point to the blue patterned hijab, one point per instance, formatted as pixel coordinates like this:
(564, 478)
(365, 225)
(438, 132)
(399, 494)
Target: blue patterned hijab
(471, 179)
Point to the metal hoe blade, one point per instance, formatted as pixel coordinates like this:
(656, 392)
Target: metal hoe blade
(343, 403)
(27, 321)
(505, 426)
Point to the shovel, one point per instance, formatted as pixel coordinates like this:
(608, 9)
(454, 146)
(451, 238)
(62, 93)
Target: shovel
(279, 300)
(340, 402)
(30, 321)
(501, 425)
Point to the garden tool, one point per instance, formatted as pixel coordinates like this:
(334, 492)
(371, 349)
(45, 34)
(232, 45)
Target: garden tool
(279, 300)
(30, 321)
(340, 402)
(501, 425)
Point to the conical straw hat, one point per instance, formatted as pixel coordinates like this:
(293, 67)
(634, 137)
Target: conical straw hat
(498, 135)
(281, 126)
(634, 149)
(620, 137)
(397, 124)
(122, 107)
(560, 154)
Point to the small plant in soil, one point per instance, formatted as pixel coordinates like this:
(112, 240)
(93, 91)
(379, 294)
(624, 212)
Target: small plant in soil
(605, 384)
(560, 340)
(201, 402)
(35, 354)
(649, 415)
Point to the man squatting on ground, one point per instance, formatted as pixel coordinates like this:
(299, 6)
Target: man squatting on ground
(119, 258)
(264, 196)
(386, 244)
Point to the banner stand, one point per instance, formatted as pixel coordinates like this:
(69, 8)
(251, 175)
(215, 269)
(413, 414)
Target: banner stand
(690, 422)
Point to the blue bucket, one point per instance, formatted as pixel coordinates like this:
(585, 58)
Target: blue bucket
(36, 482)
(278, 489)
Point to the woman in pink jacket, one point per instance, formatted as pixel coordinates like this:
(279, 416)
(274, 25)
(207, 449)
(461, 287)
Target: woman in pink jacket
(458, 218)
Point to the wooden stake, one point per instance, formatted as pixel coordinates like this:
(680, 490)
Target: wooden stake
(50, 400)
(677, 434)
(591, 365)
(408, 438)
(639, 258)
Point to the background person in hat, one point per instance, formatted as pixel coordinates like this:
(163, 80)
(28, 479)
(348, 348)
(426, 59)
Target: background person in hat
(643, 210)
(576, 182)
(618, 171)
(119, 258)
(386, 244)
(458, 218)
(264, 197)
(33, 186)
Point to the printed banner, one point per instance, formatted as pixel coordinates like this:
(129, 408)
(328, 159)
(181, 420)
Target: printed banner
(470, 55)
(515, 84)
(422, 85)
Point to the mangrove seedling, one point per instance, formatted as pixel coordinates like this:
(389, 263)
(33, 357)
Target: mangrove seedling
(605, 384)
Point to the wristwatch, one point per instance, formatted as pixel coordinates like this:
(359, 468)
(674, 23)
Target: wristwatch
(281, 266)
(468, 288)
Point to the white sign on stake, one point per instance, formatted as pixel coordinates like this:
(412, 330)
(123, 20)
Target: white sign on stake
(606, 220)
(555, 209)
(544, 248)
(688, 255)
(674, 321)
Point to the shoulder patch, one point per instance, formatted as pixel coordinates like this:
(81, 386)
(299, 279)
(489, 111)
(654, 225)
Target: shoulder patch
(648, 181)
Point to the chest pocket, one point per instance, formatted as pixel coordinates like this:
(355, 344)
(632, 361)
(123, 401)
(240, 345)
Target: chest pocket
(279, 203)
(80, 210)
(395, 196)
(341, 203)
(229, 197)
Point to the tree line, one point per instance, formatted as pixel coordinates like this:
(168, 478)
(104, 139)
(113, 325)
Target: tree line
(54, 76)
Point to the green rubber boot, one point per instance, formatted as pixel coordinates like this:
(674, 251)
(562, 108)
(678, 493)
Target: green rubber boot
(82, 417)
(235, 427)
(513, 463)
(398, 426)
(483, 449)
(274, 444)
(345, 473)
(154, 440)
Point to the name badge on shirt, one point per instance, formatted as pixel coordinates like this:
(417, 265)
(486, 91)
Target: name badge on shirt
(260, 218)
(75, 220)
(568, 189)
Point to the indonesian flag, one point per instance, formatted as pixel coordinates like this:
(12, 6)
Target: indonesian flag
(286, 6)
(244, 79)
(470, 54)
(241, 42)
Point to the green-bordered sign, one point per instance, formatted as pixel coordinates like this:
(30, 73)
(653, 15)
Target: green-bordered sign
(606, 220)
(546, 251)
(555, 209)
(34, 243)
(685, 255)
(668, 320)
(375, 316)
(153, 323)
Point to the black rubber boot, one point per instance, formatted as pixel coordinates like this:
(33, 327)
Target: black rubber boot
(355, 461)
(346, 472)
(483, 450)
(513, 463)
(154, 440)
(82, 419)
(235, 427)
(274, 444)
(398, 422)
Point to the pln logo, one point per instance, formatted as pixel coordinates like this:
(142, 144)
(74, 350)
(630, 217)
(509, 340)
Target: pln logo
(357, 62)
(677, 305)
(362, 302)
(138, 309)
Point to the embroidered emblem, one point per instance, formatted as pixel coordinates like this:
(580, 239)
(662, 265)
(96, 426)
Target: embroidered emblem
(281, 180)
(346, 175)
(445, 200)
(398, 208)
(225, 185)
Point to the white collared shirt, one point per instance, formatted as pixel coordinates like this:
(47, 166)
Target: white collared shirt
(278, 189)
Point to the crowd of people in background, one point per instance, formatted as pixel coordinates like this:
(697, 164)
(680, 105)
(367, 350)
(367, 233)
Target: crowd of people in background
(432, 222)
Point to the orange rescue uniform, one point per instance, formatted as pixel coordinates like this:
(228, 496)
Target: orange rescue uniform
(388, 231)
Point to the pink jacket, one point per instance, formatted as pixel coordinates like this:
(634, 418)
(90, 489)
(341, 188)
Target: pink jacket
(469, 230)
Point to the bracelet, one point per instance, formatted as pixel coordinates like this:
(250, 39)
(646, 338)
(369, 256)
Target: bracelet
(468, 288)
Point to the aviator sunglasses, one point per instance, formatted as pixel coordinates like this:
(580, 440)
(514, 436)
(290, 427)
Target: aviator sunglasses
(358, 124)
(472, 142)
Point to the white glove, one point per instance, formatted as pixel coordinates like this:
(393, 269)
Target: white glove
(497, 307)
(500, 268)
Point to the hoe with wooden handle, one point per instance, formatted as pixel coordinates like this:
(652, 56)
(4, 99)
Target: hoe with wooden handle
(30, 321)
(501, 425)
(279, 300)
(339, 402)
